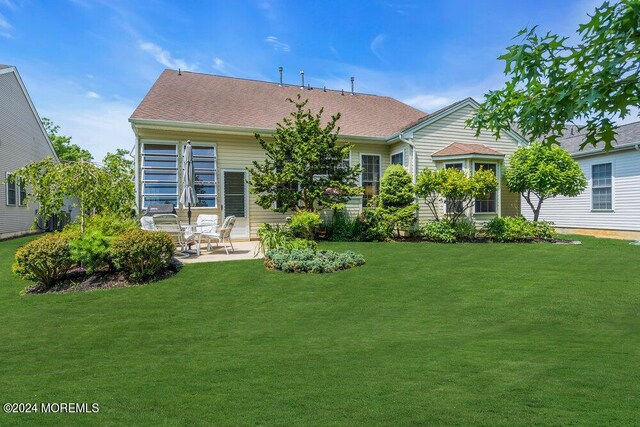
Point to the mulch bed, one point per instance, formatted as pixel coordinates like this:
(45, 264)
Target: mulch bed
(77, 280)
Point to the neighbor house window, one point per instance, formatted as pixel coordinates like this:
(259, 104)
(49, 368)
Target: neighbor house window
(397, 158)
(488, 203)
(204, 165)
(601, 187)
(453, 207)
(159, 174)
(11, 193)
(370, 164)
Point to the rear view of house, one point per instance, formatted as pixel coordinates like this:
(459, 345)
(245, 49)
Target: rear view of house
(23, 139)
(220, 115)
(610, 205)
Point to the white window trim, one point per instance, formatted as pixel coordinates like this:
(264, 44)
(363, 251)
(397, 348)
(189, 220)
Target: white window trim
(143, 168)
(498, 190)
(613, 206)
(215, 157)
(379, 156)
(401, 151)
(6, 190)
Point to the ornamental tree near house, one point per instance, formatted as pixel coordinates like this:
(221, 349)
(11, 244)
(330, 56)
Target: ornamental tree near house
(539, 172)
(454, 187)
(554, 82)
(304, 166)
(396, 201)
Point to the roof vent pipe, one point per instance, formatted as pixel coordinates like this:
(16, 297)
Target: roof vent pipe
(280, 71)
(302, 77)
(342, 92)
(352, 80)
(179, 72)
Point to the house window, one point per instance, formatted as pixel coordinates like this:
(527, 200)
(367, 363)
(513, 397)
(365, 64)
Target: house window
(159, 174)
(10, 191)
(22, 194)
(370, 177)
(487, 204)
(601, 187)
(204, 165)
(453, 207)
(397, 158)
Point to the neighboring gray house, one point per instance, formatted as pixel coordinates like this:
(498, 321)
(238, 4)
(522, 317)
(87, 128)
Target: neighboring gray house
(610, 205)
(23, 139)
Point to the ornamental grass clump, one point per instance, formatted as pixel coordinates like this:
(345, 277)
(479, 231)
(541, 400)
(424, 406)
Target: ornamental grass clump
(310, 261)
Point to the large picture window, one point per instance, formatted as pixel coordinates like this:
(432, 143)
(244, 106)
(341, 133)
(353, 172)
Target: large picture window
(370, 177)
(159, 174)
(204, 165)
(489, 203)
(601, 187)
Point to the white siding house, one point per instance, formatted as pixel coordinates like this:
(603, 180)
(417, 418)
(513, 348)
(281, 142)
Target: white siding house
(610, 205)
(22, 140)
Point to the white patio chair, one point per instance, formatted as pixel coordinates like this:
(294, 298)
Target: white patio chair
(169, 224)
(223, 236)
(146, 222)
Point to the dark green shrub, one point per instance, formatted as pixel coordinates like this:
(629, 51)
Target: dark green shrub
(310, 261)
(45, 260)
(396, 200)
(517, 228)
(142, 254)
(340, 227)
(439, 231)
(91, 250)
(371, 226)
(465, 229)
(305, 224)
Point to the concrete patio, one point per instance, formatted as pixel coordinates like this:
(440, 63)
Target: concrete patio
(243, 250)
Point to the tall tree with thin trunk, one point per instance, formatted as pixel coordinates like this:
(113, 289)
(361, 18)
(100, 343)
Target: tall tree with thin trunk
(539, 172)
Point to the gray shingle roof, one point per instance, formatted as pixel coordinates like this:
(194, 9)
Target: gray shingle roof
(626, 135)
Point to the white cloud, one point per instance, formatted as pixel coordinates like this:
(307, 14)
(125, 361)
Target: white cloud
(93, 95)
(376, 45)
(219, 65)
(5, 28)
(8, 4)
(428, 102)
(277, 44)
(164, 57)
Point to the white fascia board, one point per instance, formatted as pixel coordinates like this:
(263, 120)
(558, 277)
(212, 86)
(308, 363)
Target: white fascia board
(230, 130)
(469, 156)
(14, 70)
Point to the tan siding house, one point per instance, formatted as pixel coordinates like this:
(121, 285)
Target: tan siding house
(220, 115)
(22, 140)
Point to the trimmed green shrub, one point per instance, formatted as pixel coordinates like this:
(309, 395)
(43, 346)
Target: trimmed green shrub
(142, 254)
(517, 228)
(108, 224)
(301, 244)
(310, 261)
(45, 260)
(91, 250)
(396, 201)
(305, 224)
(439, 231)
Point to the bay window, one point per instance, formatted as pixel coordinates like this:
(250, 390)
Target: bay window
(488, 204)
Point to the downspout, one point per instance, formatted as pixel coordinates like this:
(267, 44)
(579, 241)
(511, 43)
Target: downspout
(136, 165)
(414, 175)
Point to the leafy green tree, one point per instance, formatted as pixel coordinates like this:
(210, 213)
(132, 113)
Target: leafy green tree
(396, 201)
(304, 166)
(93, 188)
(553, 82)
(62, 145)
(539, 172)
(454, 187)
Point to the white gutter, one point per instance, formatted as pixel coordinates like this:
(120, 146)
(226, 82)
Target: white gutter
(414, 155)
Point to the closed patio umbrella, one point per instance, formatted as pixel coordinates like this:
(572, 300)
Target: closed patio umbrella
(188, 196)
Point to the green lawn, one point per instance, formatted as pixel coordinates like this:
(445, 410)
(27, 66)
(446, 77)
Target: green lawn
(422, 334)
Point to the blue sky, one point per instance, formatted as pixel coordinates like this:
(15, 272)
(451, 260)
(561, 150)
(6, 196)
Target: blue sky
(88, 63)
